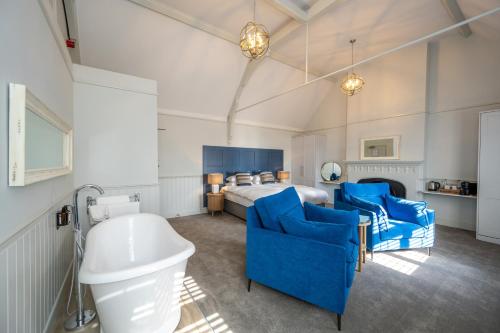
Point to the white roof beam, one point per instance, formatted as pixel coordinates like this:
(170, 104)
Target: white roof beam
(455, 12)
(318, 8)
(290, 9)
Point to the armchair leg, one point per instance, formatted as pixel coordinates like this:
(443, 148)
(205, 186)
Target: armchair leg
(339, 322)
(429, 251)
(371, 255)
(249, 284)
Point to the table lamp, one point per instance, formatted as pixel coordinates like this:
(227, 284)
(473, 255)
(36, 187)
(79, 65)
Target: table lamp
(283, 176)
(215, 179)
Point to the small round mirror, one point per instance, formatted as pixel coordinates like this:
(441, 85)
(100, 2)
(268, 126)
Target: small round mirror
(331, 171)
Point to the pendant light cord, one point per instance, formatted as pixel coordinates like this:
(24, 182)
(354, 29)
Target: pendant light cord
(254, 6)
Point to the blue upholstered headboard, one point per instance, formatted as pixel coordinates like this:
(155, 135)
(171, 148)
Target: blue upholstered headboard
(230, 160)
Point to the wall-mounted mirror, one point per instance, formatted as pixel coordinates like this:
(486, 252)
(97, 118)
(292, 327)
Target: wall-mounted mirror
(386, 148)
(331, 171)
(40, 143)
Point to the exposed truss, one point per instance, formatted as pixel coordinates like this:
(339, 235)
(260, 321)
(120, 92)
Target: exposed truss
(298, 15)
(455, 12)
(377, 56)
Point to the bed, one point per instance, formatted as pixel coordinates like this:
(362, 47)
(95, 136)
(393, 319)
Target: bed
(238, 198)
(232, 160)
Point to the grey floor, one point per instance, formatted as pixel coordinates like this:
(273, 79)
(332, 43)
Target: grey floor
(457, 289)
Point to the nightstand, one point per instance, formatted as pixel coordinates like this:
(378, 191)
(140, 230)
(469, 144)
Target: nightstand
(215, 202)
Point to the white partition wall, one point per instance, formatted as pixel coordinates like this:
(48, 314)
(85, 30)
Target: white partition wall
(116, 135)
(488, 219)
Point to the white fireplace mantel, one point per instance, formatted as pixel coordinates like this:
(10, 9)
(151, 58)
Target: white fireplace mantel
(409, 173)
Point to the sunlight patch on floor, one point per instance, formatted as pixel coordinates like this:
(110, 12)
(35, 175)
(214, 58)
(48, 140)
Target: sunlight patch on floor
(399, 265)
(213, 323)
(413, 255)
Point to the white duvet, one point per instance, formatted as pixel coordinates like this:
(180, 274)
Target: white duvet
(254, 192)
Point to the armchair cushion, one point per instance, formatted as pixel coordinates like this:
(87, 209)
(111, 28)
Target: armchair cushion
(287, 202)
(406, 210)
(332, 233)
(323, 214)
(402, 230)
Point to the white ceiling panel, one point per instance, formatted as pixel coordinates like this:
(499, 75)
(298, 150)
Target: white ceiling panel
(231, 15)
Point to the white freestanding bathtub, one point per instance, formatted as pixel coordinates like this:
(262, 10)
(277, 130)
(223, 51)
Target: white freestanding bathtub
(135, 267)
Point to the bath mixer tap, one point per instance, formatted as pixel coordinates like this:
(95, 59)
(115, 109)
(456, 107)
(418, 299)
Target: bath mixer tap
(81, 317)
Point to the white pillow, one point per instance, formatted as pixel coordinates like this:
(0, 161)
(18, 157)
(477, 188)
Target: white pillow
(256, 179)
(231, 179)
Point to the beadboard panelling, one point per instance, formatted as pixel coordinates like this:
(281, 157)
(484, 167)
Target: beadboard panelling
(181, 196)
(33, 266)
(149, 200)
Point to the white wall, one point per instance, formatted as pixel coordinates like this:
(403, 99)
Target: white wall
(431, 95)
(115, 129)
(116, 135)
(464, 80)
(196, 71)
(392, 102)
(180, 156)
(29, 285)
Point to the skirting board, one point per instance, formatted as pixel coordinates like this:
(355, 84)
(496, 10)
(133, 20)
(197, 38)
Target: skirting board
(488, 239)
(50, 320)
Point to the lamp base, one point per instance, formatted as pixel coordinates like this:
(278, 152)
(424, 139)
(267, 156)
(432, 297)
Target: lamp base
(215, 188)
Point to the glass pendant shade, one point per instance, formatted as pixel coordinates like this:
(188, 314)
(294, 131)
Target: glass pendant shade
(254, 40)
(352, 84)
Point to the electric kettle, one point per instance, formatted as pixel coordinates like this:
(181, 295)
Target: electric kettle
(433, 186)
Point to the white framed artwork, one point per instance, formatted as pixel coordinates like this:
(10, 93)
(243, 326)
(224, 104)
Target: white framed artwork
(40, 143)
(381, 148)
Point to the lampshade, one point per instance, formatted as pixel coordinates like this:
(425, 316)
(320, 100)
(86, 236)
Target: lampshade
(215, 178)
(254, 40)
(283, 175)
(352, 83)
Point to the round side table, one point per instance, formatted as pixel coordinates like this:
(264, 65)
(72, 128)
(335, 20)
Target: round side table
(364, 222)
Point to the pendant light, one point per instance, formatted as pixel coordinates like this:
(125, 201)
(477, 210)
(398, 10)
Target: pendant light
(352, 83)
(254, 39)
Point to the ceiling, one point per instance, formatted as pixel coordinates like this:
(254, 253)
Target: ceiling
(197, 72)
(377, 25)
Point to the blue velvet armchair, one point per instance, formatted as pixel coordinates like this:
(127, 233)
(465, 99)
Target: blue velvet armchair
(396, 223)
(316, 271)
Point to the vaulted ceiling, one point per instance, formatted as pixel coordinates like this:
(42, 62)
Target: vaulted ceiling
(199, 72)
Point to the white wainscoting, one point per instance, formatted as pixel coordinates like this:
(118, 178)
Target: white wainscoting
(150, 202)
(33, 266)
(181, 196)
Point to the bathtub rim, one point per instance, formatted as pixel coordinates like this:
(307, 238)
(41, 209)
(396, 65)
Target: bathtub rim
(87, 276)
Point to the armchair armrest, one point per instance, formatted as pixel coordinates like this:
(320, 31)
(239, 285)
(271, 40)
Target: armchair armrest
(378, 215)
(409, 211)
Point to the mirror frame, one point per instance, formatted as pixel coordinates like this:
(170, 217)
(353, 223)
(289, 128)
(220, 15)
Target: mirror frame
(324, 163)
(395, 145)
(22, 100)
